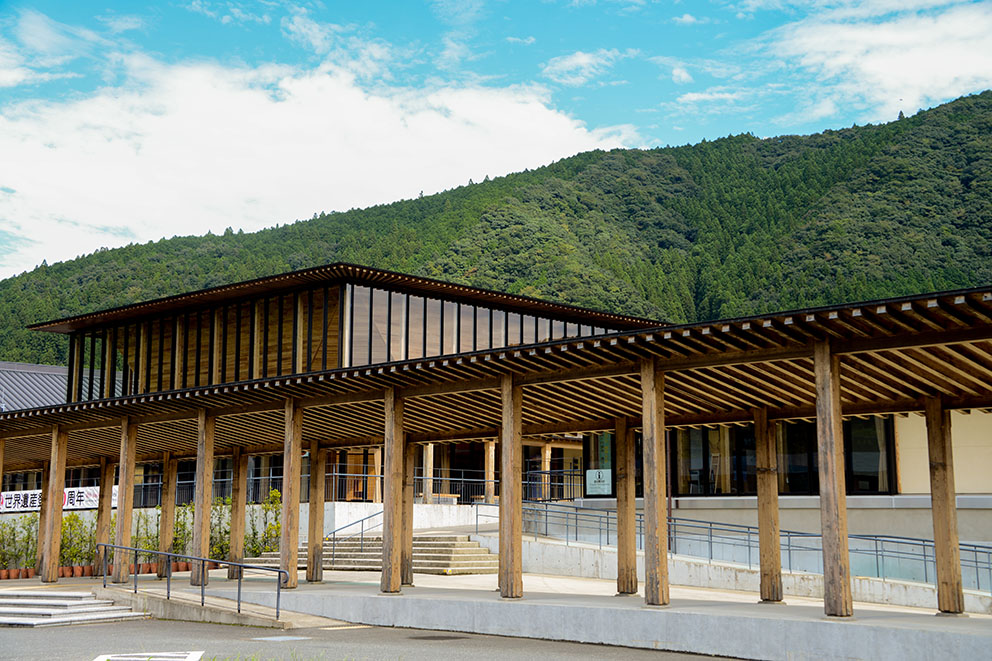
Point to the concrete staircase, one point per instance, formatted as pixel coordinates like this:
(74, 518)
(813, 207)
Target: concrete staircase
(47, 608)
(432, 554)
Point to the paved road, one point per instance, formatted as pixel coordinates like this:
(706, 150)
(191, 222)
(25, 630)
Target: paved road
(352, 642)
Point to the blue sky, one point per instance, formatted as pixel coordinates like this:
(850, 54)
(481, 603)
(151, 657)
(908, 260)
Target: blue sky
(126, 121)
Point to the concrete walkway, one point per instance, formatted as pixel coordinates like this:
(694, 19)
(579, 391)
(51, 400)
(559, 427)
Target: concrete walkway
(698, 620)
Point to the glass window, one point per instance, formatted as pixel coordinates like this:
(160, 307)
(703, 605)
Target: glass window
(797, 463)
(450, 333)
(690, 463)
(415, 328)
(361, 311)
(557, 330)
(543, 330)
(380, 324)
(466, 328)
(513, 328)
(433, 327)
(867, 444)
(529, 329)
(397, 330)
(482, 317)
(499, 329)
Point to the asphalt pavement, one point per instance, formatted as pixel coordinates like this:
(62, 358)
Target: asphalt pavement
(340, 641)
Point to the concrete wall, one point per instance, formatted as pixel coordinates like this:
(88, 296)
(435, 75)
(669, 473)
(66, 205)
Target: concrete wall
(904, 516)
(971, 437)
(586, 561)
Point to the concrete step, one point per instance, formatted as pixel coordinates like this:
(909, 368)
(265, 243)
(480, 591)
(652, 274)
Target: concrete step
(42, 608)
(437, 557)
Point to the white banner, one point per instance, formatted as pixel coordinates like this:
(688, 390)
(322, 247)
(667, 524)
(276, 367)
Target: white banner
(73, 498)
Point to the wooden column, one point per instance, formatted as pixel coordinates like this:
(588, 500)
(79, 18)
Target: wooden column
(301, 335)
(203, 490)
(141, 351)
(626, 510)
(546, 471)
(109, 355)
(392, 502)
(42, 516)
(217, 329)
(177, 360)
(239, 501)
(315, 520)
(125, 499)
(833, 503)
(53, 522)
(289, 545)
(76, 367)
(377, 475)
(947, 552)
(104, 512)
(655, 484)
(167, 520)
(409, 481)
(428, 481)
(768, 528)
(259, 341)
(490, 468)
(511, 491)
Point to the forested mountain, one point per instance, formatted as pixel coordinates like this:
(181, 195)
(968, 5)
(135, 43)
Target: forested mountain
(734, 226)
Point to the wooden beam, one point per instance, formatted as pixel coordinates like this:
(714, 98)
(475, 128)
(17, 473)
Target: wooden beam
(626, 510)
(933, 338)
(655, 485)
(579, 374)
(203, 489)
(490, 472)
(125, 499)
(409, 489)
(511, 491)
(449, 387)
(428, 480)
(392, 502)
(833, 506)
(53, 522)
(289, 546)
(315, 518)
(42, 515)
(239, 501)
(104, 512)
(768, 513)
(167, 519)
(947, 552)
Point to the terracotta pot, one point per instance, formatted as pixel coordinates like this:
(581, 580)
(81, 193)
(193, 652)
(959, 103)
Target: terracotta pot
(87, 570)
(175, 566)
(3, 574)
(29, 571)
(183, 566)
(77, 571)
(130, 568)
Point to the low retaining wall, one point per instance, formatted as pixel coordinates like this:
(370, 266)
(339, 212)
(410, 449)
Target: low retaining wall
(550, 556)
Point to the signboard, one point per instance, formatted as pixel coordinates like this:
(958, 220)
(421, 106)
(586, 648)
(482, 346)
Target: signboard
(599, 482)
(73, 498)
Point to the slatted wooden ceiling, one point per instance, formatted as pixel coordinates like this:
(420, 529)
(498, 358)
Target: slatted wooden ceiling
(892, 354)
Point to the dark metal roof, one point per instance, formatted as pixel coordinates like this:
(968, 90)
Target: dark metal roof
(338, 273)
(26, 386)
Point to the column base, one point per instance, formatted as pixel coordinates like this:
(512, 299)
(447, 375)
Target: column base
(625, 594)
(773, 602)
(943, 614)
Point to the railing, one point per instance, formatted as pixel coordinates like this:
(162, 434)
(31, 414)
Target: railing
(282, 576)
(878, 556)
(365, 524)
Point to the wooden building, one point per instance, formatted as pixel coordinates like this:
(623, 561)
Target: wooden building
(345, 356)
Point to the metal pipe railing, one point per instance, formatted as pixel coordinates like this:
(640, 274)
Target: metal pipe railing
(282, 576)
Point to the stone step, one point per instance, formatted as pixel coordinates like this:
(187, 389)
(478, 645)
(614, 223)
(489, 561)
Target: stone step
(48, 594)
(38, 611)
(417, 545)
(416, 538)
(42, 608)
(447, 557)
(72, 618)
(40, 602)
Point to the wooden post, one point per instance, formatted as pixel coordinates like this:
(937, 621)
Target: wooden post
(76, 367)
(239, 500)
(768, 528)
(833, 503)
(301, 335)
(655, 484)
(104, 512)
(56, 490)
(109, 356)
(289, 546)
(490, 467)
(511, 492)
(626, 510)
(315, 520)
(140, 352)
(546, 471)
(428, 480)
(392, 502)
(177, 360)
(125, 499)
(377, 475)
(259, 342)
(217, 329)
(167, 521)
(202, 494)
(947, 552)
(409, 479)
(42, 516)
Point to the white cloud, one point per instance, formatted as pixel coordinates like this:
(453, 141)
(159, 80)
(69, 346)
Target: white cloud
(681, 75)
(581, 67)
(689, 19)
(898, 62)
(707, 96)
(183, 149)
(526, 41)
(123, 23)
(318, 37)
(227, 12)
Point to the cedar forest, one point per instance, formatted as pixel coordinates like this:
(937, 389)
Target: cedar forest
(719, 229)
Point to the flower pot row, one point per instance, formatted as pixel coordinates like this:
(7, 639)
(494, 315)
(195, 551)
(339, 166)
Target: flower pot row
(90, 570)
(27, 572)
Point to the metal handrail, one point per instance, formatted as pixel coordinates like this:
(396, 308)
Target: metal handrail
(282, 576)
(333, 534)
